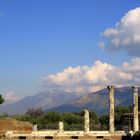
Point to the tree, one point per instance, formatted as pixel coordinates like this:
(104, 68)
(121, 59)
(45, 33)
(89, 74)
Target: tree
(104, 120)
(72, 118)
(34, 112)
(1, 99)
(93, 118)
(51, 118)
(119, 112)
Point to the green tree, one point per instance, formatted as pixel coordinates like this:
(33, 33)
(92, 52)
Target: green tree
(72, 118)
(1, 99)
(34, 112)
(51, 117)
(94, 121)
(72, 121)
(104, 120)
(119, 112)
(93, 118)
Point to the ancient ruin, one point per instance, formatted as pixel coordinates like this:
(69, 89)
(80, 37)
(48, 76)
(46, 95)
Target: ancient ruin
(111, 134)
(111, 109)
(135, 113)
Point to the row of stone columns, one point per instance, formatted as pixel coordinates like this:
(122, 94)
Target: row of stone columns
(135, 109)
(111, 113)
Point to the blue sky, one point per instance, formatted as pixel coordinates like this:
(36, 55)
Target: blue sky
(43, 37)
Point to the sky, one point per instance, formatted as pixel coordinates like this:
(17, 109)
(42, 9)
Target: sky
(72, 45)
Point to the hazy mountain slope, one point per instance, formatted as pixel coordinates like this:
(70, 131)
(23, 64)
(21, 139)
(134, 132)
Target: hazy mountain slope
(98, 101)
(70, 102)
(44, 100)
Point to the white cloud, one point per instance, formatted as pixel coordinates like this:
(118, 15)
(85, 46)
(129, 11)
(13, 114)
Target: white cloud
(133, 68)
(93, 78)
(125, 34)
(10, 97)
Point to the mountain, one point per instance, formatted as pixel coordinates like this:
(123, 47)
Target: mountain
(61, 101)
(97, 101)
(44, 100)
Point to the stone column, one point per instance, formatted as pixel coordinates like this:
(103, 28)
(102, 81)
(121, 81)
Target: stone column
(111, 108)
(86, 121)
(61, 127)
(135, 110)
(35, 127)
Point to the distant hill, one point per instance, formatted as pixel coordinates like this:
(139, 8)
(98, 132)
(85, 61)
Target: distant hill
(44, 100)
(62, 101)
(97, 101)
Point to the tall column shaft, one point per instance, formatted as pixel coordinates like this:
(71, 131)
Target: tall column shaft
(111, 109)
(135, 110)
(86, 121)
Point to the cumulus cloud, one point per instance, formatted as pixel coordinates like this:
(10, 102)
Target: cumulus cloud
(125, 34)
(10, 97)
(92, 78)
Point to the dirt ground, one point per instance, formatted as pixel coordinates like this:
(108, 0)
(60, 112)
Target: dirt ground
(10, 124)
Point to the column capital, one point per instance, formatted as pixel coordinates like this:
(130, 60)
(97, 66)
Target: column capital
(135, 88)
(110, 87)
(86, 110)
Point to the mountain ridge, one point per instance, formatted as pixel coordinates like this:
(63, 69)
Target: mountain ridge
(44, 100)
(98, 101)
(62, 101)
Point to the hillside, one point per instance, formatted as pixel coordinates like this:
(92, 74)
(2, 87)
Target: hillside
(70, 102)
(44, 100)
(98, 101)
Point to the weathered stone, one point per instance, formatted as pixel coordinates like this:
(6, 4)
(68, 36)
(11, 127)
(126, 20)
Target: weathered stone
(135, 110)
(86, 121)
(111, 108)
(86, 134)
(61, 127)
(35, 127)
